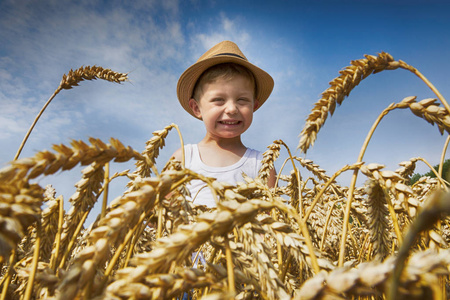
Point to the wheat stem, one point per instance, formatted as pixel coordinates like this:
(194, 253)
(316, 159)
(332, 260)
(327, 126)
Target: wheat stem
(363, 246)
(72, 79)
(183, 159)
(105, 190)
(54, 257)
(34, 123)
(286, 266)
(281, 170)
(7, 277)
(73, 239)
(34, 263)
(135, 239)
(303, 229)
(441, 180)
(160, 212)
(353, 183)
(291, 158)
(438, 205)
(300, 195)
(327, 184)
(280, 257)
(230, 268)
(427, 82)
(297, 175)
(131, 246)
(327, 222)
(393, 215)
(119, 249)
(198, 253)
(444, 151)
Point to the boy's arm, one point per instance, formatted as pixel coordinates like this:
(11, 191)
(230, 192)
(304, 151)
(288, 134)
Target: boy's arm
(272, 178)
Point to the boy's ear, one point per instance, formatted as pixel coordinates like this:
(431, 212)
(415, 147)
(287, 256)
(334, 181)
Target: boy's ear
(255, 104)
(195, 109)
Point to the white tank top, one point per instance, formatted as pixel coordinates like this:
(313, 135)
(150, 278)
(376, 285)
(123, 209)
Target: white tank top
(249, 164)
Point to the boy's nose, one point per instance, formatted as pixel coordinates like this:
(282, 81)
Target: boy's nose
(230, 107)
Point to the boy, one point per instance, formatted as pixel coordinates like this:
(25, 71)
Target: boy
(222, 89)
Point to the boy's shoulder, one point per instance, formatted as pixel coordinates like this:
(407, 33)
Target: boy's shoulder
(178, 154)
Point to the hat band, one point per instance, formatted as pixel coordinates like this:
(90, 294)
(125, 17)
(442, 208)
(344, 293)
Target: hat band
(230, 54)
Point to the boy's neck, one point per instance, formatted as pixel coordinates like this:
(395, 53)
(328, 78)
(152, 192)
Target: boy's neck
(232, 144)
(221, 153)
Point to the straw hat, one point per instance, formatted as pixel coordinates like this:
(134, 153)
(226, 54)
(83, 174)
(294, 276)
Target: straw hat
(224, 52)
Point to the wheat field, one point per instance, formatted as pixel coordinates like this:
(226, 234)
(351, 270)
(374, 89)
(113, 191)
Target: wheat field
(308, 238)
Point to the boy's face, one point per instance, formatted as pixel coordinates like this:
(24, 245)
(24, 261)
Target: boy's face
(226, 106)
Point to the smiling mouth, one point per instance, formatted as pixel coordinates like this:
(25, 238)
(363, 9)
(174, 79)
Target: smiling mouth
(229, 122)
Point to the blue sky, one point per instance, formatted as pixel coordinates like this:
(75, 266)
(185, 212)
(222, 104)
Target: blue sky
(302, 44)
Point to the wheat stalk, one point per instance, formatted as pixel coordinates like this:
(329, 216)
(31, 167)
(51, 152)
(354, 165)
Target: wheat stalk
(434, 114)
(124, 210)
(438, 205)
(70, 80)
(86, 195)
(269, 281)
(90, 73)
(180, 244)
(340, 87)
(444, 150)
(24, 200)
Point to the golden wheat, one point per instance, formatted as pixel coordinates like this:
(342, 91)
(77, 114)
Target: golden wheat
(90, 73)
(371, 279)
(340, 88)
(258, 243)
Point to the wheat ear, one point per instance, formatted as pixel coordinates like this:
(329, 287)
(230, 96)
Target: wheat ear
(377, 219)
(24, 200)
(70, 80)
(340, 88)
(372, 279)
(269, 158)
(270, 283)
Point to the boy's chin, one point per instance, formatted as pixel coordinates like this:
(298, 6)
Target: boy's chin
(230, 136)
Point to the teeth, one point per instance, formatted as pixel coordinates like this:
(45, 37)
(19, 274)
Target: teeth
(229, 123)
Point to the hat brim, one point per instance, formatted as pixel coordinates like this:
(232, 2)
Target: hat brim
(186, 83)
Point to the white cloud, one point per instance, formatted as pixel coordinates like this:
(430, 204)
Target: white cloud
(226, 29)
(45, 40)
